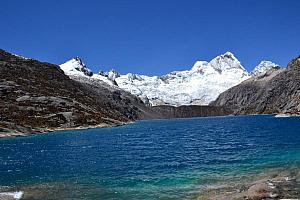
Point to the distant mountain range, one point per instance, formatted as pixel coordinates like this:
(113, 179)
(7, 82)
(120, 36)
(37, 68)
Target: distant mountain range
(198, 86)
(41, 97)
(38, 97)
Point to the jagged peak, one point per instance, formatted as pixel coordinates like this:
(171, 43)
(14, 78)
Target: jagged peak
(75, 66)
(77, 59)
(220, 63)
(226, 61)
(263, 67)
(228, 54)
(226, 57)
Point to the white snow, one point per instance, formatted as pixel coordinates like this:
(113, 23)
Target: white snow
(15, 195)
(76, 67)
(25, 58)
(198, 86)
(262, 68)
(103, 78)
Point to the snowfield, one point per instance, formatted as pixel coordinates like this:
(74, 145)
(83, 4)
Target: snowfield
(198, 86)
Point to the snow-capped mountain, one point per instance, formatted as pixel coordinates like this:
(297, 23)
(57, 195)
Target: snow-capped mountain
(263, 67)
(198, 86)
(75, 67)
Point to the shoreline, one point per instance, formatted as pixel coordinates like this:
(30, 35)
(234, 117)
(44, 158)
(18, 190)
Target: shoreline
(14, 134)
(275, 183)
(51, 130)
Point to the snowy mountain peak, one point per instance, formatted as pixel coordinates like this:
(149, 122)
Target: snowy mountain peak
(226, 61)
(199, 86)
(229, 54)
(263, 67)
(78, 59)
(76, 67)
(226, 56)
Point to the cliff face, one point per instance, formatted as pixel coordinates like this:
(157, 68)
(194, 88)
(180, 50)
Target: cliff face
(276, 92)
(190, 111)
(36, 96)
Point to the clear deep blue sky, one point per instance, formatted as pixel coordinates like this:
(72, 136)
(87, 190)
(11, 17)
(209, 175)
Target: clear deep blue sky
(151, 37)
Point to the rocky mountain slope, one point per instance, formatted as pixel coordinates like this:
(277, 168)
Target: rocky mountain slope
(276, 91)
(190, 111)
(37, 96)
(197, 86)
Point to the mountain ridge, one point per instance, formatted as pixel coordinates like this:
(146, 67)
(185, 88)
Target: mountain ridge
(276, 92)
(198, 86)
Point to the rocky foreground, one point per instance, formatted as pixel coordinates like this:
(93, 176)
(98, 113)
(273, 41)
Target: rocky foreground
(272, 185)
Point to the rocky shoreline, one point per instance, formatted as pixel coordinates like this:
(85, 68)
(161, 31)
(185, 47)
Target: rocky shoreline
(12, 133)
(274, 184)
(8, 133)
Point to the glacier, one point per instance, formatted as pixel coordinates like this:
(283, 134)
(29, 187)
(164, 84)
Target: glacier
(197, 86)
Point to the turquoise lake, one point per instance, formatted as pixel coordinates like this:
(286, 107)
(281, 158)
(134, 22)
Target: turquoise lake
(155, 159)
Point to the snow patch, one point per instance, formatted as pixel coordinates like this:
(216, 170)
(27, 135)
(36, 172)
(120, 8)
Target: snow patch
(22, 57)
(15, 195)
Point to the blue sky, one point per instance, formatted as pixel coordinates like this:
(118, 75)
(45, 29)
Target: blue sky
(151, 37)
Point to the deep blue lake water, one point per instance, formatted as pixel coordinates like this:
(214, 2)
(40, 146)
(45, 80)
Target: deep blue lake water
(158, 159)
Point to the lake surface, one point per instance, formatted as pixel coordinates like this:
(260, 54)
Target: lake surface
(158, 159)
